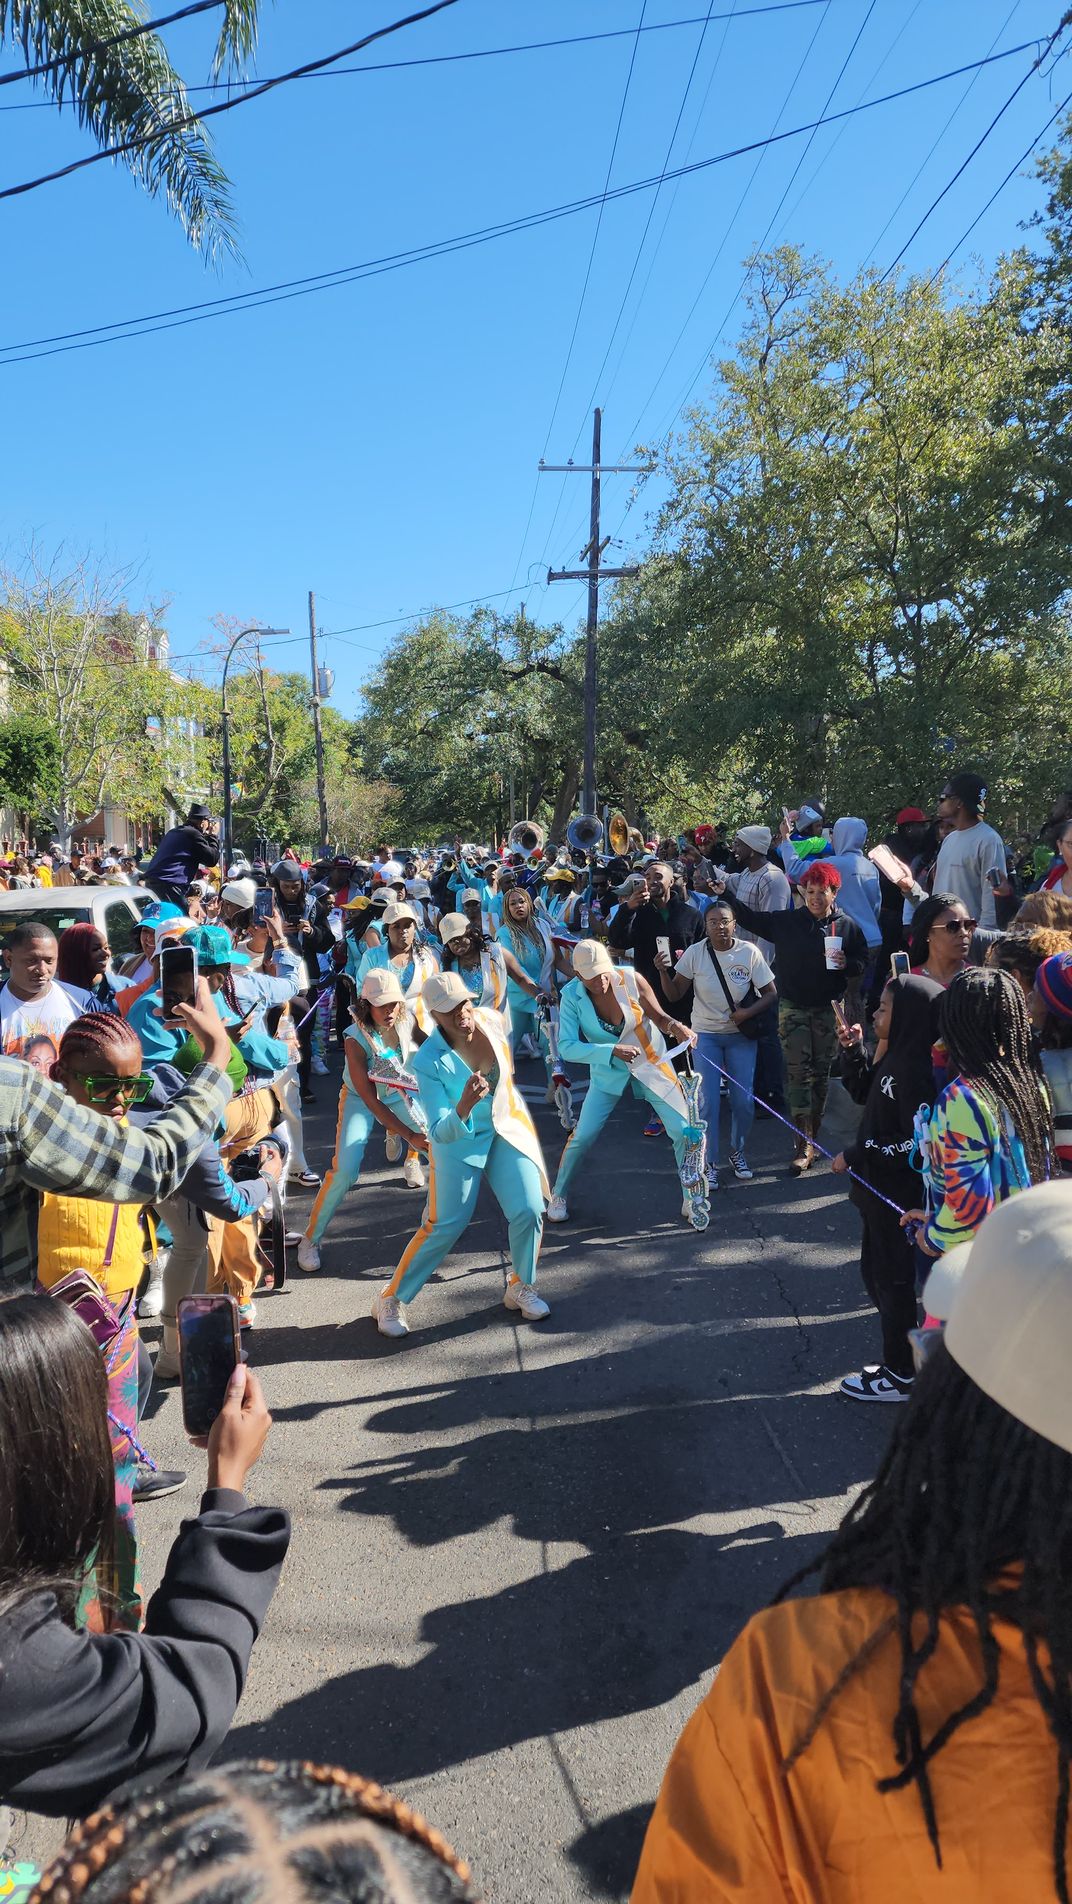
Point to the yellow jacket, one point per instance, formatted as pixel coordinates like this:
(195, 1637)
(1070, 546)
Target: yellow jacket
(73, 1233)
(730, 1824)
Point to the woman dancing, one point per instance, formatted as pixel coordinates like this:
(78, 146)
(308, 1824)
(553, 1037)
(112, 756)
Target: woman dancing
(530, 941)
(484, 966)
(608, 1021)
(478, 1126)
(378, 1048)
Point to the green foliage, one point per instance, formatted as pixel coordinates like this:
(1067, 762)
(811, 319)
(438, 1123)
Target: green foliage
(29, 762)
(861, 570)
(129, 92)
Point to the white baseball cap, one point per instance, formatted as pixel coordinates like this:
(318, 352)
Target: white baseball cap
(392, 915)
(589, 957)
(453, 925)
(380, 986)
(445, 991)
(1010, 1317)
(240, 892)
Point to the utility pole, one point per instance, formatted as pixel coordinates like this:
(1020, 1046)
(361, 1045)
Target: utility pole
(593, 574)
(321, 790)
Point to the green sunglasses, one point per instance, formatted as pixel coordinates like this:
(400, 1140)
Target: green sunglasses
(107, 1090)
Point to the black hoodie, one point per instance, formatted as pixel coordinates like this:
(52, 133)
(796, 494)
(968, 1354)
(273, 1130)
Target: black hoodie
(892, 1091)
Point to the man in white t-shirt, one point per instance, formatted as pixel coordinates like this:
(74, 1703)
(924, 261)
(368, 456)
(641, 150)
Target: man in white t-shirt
(972, 851)
(35, 1008)
(723, 971)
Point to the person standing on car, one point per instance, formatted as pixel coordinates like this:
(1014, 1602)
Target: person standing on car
(181, 854)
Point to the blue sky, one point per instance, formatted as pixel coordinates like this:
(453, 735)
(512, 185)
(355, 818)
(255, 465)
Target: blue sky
(378, 442)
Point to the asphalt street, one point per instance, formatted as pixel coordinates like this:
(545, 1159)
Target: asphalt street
(520, 1550)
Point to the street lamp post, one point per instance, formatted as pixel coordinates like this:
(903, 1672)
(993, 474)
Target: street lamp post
(225, 713)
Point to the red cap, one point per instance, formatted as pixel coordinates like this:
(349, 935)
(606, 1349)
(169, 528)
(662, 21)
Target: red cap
(910, 813)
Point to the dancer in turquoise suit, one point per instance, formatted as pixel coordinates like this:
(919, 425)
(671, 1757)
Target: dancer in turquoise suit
(478, 1126)
(374, 1091)
(530, 940)
(608, 1021)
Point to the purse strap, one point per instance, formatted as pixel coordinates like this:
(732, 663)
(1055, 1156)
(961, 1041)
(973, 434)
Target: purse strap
(110, 1245)
(716, 962)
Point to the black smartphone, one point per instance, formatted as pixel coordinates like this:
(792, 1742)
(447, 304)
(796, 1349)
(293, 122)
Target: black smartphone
(210, 1348)
(994, 878)
(263, 905)
(178, 978)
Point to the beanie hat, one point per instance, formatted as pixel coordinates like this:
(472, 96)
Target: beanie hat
(1053, 983)
(757, 837)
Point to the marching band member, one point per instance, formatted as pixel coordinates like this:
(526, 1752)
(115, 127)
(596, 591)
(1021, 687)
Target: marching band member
(478, 1126)
(607, 1020)
(529, 940)
(562, 900)
(485, 884)
(473, 910)
(378, 1045)
(413, 964)
(485, 968)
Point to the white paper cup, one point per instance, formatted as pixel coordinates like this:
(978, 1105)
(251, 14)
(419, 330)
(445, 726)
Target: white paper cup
(831, 944)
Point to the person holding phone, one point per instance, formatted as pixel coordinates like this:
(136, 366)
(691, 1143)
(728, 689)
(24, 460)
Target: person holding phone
(478, 1127)
(88, 1714)
(181, 854)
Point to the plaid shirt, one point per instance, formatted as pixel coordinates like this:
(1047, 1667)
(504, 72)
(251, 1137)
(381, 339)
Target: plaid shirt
(48, 1142)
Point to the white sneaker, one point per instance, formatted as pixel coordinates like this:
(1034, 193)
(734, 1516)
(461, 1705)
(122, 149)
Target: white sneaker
(413, 1172)
(556, 1211)
(740, 1166)
(390, 1315)
(152, 1303)
(318, 1068)
(308, 1254)
(523, 1297)
(395, 1147)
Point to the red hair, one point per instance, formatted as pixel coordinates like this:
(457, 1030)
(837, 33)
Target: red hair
(95, 1036)
(76, 946)
(820, 874)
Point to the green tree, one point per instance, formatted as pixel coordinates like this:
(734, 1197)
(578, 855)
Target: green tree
(29, 763)
(97, 55)
(861, 573)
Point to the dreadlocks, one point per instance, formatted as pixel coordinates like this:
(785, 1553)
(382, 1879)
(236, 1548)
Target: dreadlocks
(984, 1025)
(296, 1832)
(966, 1497)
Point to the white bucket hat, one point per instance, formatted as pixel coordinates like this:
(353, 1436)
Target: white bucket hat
(1010, 1318)
(589, 957)
(381, 986)
(445, 991)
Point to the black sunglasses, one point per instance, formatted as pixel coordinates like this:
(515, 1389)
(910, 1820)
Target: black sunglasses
(959, 925)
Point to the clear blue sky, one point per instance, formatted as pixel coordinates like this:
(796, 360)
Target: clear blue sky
(378, 442)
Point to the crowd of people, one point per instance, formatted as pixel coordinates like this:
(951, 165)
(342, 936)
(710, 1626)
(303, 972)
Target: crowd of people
(927, 980)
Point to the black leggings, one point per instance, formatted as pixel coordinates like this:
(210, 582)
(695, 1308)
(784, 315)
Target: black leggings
(888, 1271)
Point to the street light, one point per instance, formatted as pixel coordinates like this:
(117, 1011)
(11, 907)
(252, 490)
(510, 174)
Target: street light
(226, 716)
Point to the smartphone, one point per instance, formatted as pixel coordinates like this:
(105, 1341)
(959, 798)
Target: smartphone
(900, 965)
(89, 1302)
(995, 879)
(839, 1014)
(263, 905)
(178, 978)
(663, 945)
(210, 1348)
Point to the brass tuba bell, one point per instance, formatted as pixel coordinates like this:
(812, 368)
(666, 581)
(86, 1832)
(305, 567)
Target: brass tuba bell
(618, 835)
(527, 837)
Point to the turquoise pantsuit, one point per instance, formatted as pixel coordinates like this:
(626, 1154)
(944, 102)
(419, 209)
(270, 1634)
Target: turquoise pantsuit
(461, 1151)
(583, 1038)
(354, 1128)
(532, 959)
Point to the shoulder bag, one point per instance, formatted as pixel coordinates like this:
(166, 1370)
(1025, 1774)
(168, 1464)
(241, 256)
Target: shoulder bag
(751, 1026)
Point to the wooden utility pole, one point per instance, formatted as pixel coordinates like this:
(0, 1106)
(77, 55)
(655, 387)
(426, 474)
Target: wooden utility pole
(321, 789)
(593, 574)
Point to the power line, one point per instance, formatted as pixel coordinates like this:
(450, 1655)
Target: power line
(101, 46)
(435, 59)
(147, 324)
(979, 143)
(998, 189)
(169, 126)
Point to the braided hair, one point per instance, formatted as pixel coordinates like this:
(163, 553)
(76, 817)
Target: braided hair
(527, 929)
(297, 1834)
(95, 1036)
(983, 1023)
(970, 1510)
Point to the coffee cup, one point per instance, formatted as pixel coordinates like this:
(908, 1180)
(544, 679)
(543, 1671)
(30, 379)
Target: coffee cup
(832, 945)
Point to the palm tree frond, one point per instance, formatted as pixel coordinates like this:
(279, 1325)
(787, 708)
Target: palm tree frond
(238, 34)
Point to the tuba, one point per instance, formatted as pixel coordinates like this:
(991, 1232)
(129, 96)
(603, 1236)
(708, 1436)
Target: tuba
(618, 835)
(585, 832)
(527, 837)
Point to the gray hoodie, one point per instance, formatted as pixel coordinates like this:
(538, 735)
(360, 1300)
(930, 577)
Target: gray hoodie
(860, 894)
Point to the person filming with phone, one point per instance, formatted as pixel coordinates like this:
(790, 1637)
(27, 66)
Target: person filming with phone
(181, 854)
(87, 1714)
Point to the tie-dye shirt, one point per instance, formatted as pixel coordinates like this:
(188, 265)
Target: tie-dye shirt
(972, 1159)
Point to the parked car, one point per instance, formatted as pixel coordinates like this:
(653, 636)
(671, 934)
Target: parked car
(114, 910)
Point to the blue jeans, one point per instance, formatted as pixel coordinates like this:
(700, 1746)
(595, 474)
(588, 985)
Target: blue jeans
(736, 1055)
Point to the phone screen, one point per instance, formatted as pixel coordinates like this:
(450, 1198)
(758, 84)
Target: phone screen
(178, 978)
(263, 905)
(209, 1349)
(900, 965)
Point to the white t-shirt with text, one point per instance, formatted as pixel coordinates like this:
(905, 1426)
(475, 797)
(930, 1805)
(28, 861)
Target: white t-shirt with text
(743, 965)
(32, 1028)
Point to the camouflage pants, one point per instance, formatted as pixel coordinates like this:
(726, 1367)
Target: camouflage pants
(809, 1042)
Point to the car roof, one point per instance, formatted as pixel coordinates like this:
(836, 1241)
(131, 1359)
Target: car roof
(43, 899)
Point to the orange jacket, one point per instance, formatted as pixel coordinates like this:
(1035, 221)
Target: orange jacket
(730, 1824)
